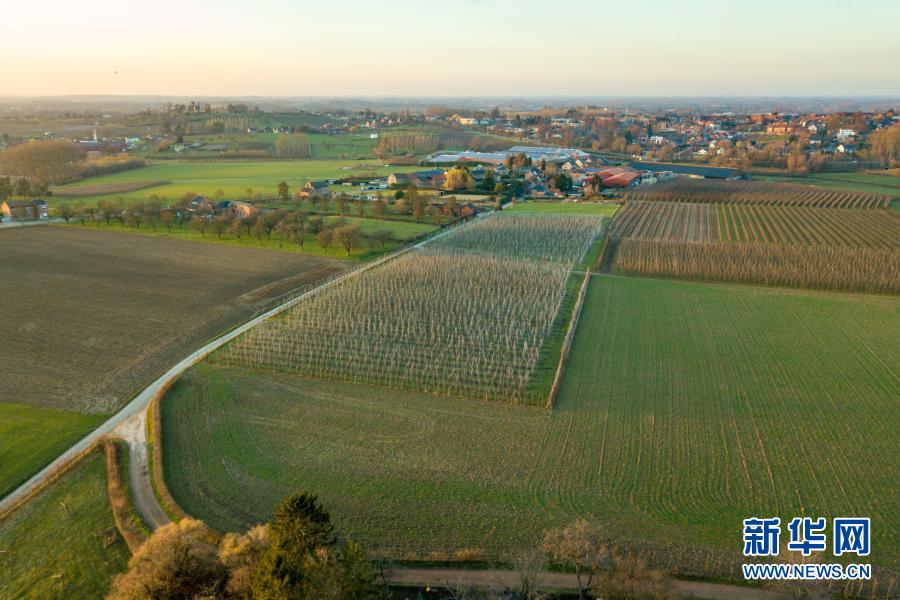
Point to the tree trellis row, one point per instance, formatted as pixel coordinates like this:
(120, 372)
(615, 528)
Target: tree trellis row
(466, 315)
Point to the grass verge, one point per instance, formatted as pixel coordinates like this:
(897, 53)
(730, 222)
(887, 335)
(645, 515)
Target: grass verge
(64, 543)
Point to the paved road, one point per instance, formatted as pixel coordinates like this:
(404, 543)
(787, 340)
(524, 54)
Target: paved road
(15, 224)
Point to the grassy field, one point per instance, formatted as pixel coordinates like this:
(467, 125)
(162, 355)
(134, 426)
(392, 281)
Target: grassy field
(581, 208)
(22, 452)
(685, 408)
(91, 316)
(64, 543)
(860, 182)
(232, 177)
(403, 231)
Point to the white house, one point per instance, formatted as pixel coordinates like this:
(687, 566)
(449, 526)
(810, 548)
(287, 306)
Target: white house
(845, 134)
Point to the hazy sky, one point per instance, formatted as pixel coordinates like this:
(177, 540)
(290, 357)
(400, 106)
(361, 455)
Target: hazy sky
(467, 47)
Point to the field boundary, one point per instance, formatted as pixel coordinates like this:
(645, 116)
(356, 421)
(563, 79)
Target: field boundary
(127, 522)
(52, 476)
(567, 341)
(157, 476)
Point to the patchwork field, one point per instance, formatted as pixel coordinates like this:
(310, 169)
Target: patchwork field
(64, 543)
(886, 184)
(466, 315)
(802, 241)
(685, 407)
(234, 178)
(89, 317)
(566, 208)
(758, 193)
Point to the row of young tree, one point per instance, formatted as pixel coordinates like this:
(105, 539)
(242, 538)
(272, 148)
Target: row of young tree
(299, 555)
(286, 226)
(21, 188)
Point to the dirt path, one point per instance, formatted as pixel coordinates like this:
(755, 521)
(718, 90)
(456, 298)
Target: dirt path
(133, 431)
(498, 580)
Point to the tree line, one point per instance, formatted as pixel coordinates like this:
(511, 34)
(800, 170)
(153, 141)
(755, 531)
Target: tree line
(300, 555)
(286, 226)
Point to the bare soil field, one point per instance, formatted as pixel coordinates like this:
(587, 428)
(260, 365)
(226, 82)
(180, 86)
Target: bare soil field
(107, 188)
(89, 317)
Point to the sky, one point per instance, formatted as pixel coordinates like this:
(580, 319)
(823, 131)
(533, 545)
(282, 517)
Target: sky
(455, 48)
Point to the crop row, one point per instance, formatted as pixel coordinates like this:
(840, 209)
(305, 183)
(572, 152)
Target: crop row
(796, 225)
(757, 192)
(466, 315)
(875, 270)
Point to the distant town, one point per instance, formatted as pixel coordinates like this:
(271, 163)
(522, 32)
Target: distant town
(485, 155)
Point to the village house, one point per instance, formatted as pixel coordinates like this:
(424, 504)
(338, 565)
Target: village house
(433, 178)
(317, 189)
(397, 179)
(24, 210)
(779, 128)
(845, 134)
(235, 208)
(202, 204)
(539, 191)
(846, 149)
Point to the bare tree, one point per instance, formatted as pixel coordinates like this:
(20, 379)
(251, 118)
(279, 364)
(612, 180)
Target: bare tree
(325, 238)
(382, 237)
(79, 210)
(378, 207)
(221, 224)
(577, 547)
(343, 203)
(200, 224)
(348, 236)
(284, 191)
(258, 230)
(65, 211)
(298, 233)
(529, 564)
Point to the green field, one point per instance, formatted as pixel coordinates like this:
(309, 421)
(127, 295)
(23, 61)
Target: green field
(320, 146)
(685, 408)
(861, 182)
(403, 231)
(232, 177)
(46, 552)
(23, 451)
(581, 208)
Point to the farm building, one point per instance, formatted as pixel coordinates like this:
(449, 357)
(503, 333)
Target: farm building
(398, 179)
(697, 171)
(487, 158)
(316, 188)
(549, 154)
(611, 177)
(433, 178)
(24, 210)
(235, 208)
(202, 204)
